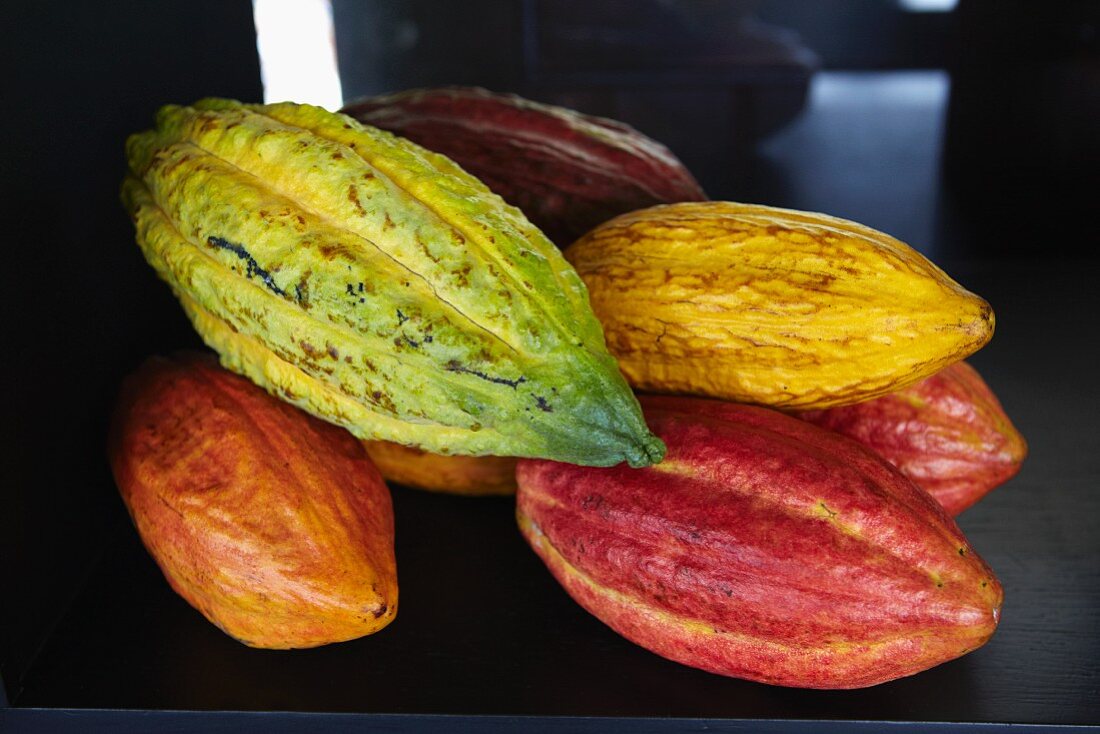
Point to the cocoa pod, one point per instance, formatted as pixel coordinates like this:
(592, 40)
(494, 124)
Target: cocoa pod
(565, 170)
(466, 475)
(771, 306)
(762, 547)
(272, 523)
(376, 285)
(948, 433)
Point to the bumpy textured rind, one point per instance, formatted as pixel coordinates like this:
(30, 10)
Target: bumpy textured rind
(948, 433)
(772, 306)
(273, 524)
(376, 285)
(565, 170)
(763, 548)
(465, 475)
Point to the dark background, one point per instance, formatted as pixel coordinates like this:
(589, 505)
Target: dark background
(998, 177)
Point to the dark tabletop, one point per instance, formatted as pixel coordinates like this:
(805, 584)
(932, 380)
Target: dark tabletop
(94, 639)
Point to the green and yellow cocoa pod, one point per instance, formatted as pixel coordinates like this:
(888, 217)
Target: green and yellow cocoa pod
(377, 285)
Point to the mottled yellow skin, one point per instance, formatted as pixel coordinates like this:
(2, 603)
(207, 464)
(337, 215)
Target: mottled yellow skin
(772, 306)
(376, 285)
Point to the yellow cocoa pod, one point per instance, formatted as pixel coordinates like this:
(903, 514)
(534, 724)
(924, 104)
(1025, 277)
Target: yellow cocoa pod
(377, 285)
(772, 306)
(467, 475)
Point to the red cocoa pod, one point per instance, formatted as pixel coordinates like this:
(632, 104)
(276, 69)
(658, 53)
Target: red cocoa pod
(273, 524)
(762, 547)
(565, 170)
(948, 433)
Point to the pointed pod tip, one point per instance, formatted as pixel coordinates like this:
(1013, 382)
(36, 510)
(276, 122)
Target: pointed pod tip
(646, 452)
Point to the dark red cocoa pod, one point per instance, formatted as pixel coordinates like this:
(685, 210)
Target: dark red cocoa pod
(566, 171)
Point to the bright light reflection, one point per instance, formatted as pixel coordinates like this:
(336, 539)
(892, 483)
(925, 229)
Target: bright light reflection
(928, 6)
(297, 46)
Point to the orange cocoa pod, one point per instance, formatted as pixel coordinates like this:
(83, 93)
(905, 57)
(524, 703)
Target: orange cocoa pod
(273, 524)
(467, 475)
(948, 433)
(762, 547)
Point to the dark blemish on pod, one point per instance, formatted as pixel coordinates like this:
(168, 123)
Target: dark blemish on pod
(387, 223)
(351, 291)
(332, 351)
(254, 269)
(353, 197)
(544, 406)
(384, 400)
(454, 366)
(401, 318)
(382, 609)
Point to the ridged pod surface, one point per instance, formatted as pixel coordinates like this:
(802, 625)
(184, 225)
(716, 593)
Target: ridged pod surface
(762, 547)
(566, 170)
(377, 285)
(466, 475)
(772, 306)
(273, 524)
(948, 433)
